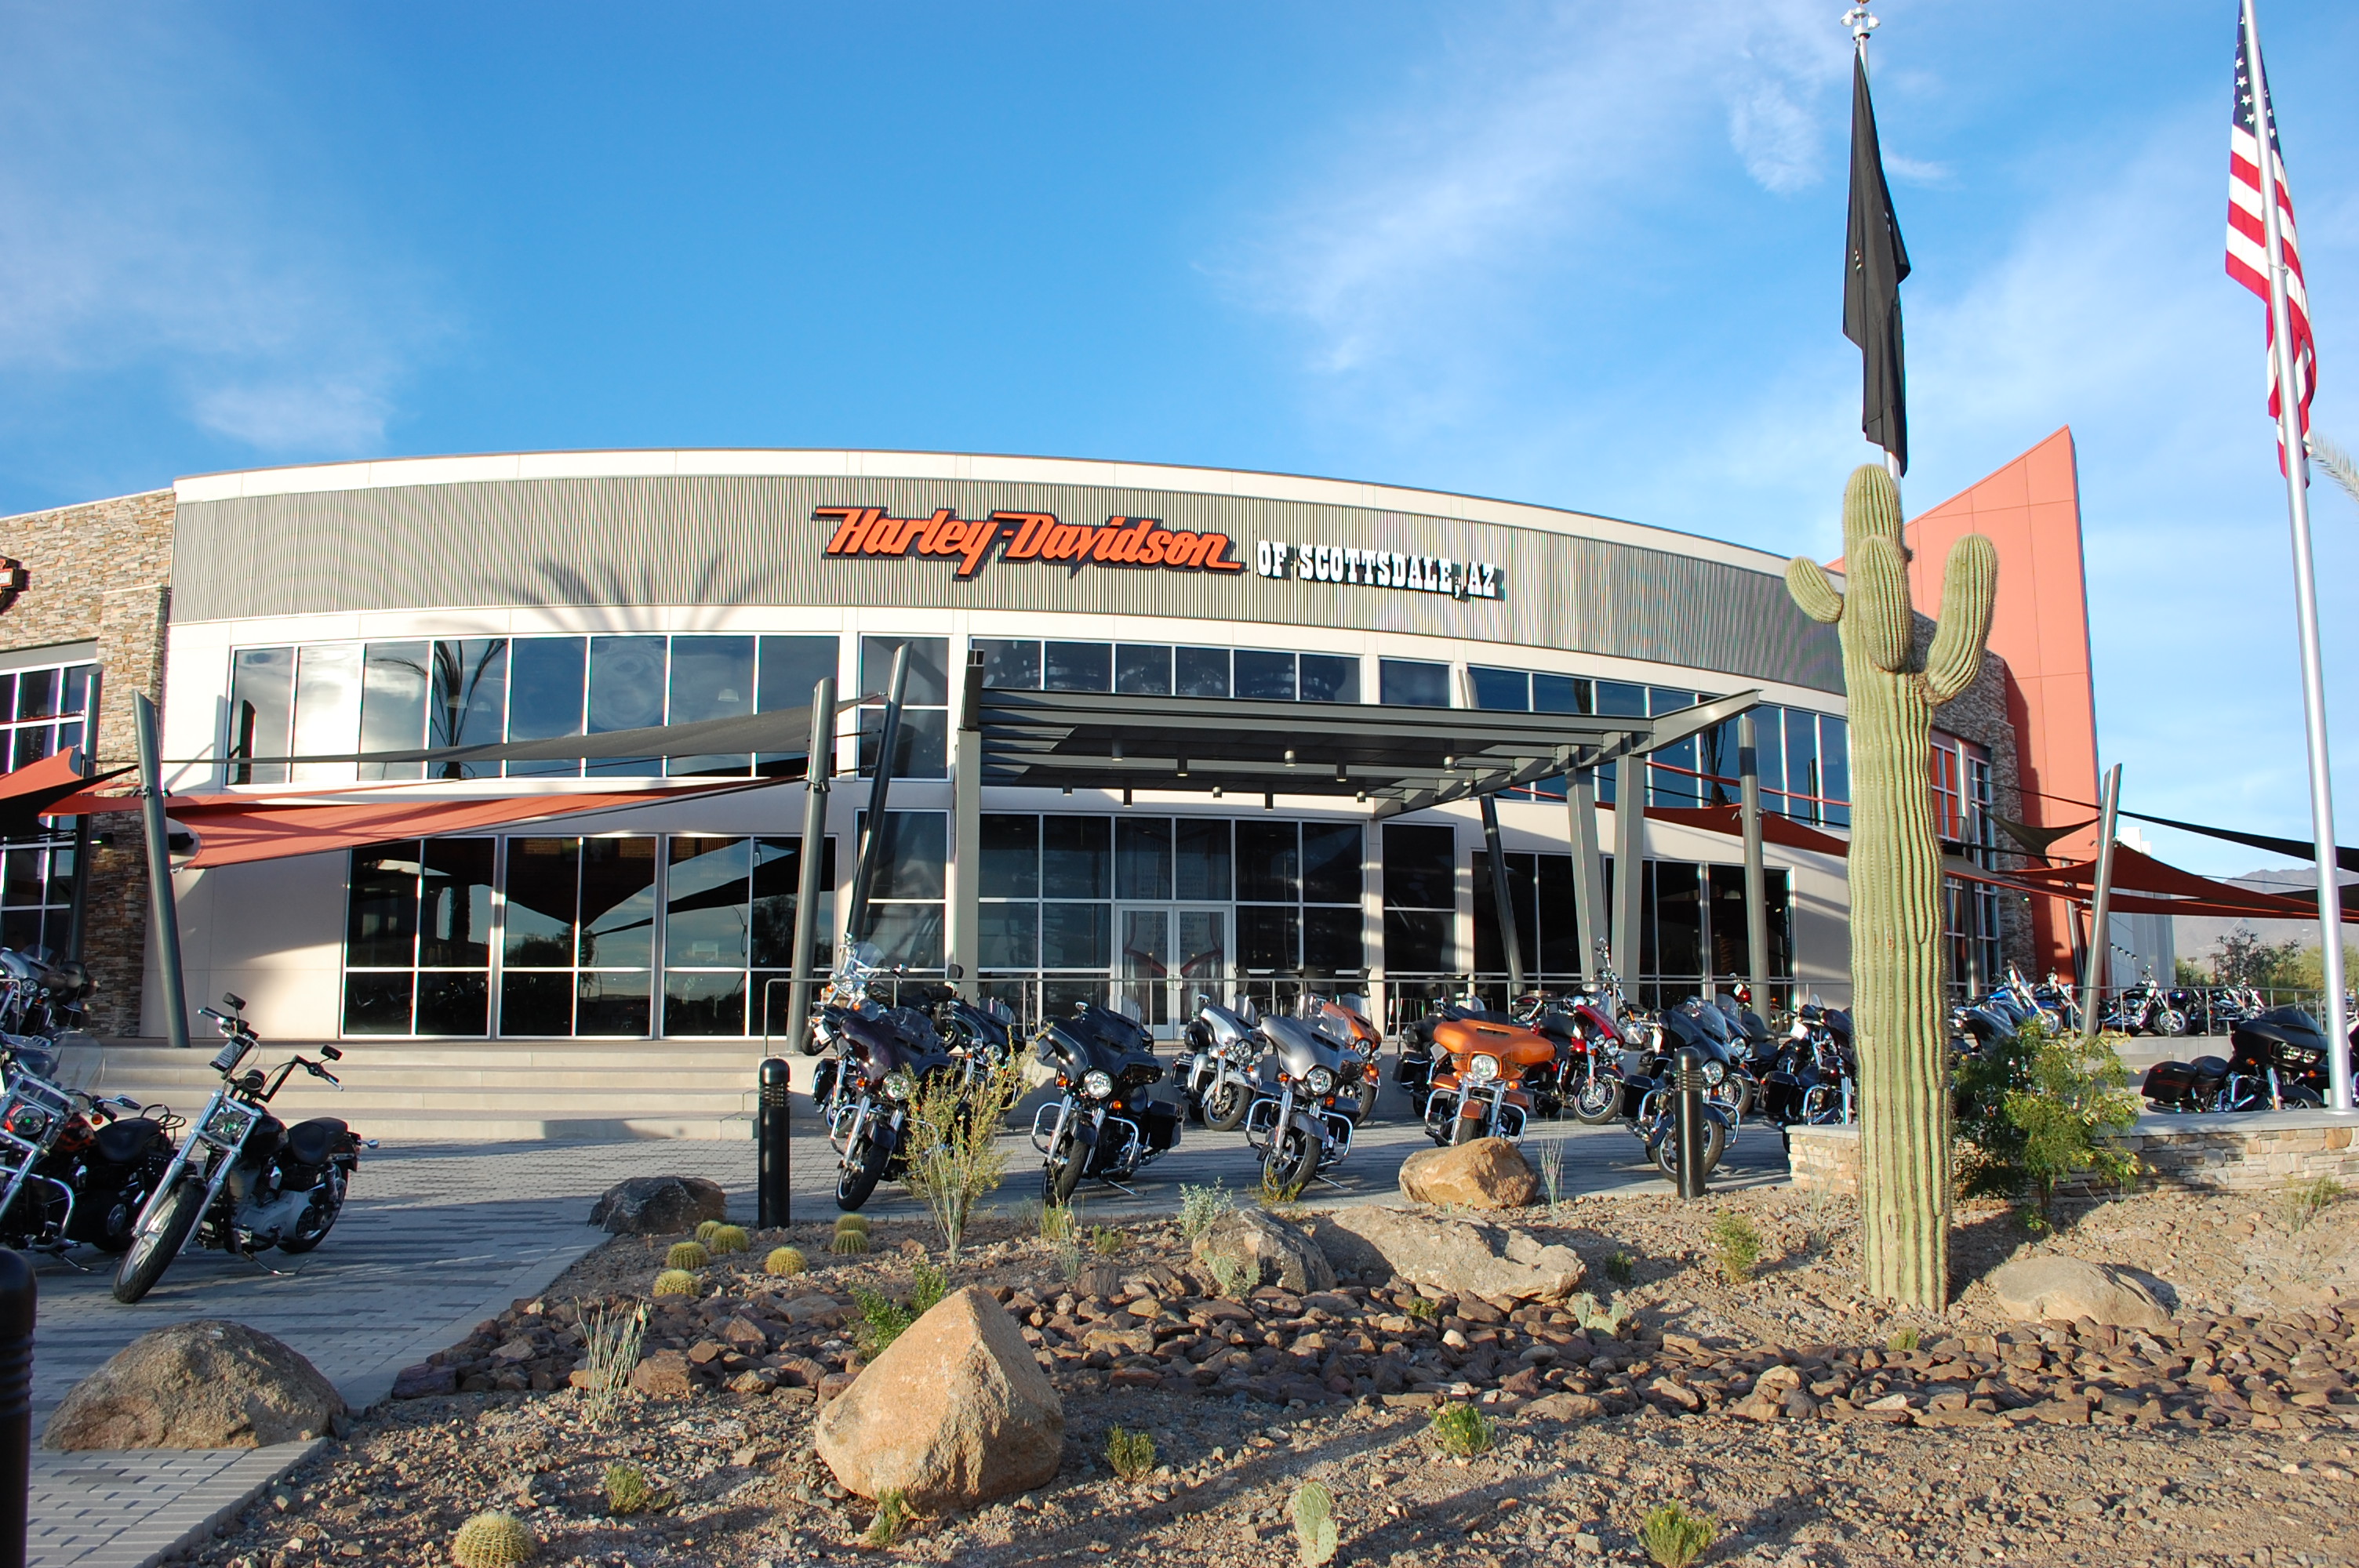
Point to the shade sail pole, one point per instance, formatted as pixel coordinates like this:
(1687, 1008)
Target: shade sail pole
(966, 836)
(1756, 878)
(163, 912)
(2101, 937)
(1502, 900)
(1588, 867)
(816, 775)
(1629, 866)
(880, 790)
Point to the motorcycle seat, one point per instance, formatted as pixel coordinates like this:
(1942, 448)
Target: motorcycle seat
(315, 1142)
(123, 1141)
(2209, 1067)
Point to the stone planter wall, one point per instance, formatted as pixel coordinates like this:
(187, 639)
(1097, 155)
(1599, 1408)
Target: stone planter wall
(2250, 1153)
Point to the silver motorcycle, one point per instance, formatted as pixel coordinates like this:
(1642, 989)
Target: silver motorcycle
(1216, 1073)
(1299, 1123)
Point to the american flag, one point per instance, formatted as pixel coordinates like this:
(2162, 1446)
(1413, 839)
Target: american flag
(2248, 246)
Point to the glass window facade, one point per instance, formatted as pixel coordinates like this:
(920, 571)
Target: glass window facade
(575, 935)
(1690, 912)
(43, 709)
(332, 698)
(921, 750)
(1160, 669)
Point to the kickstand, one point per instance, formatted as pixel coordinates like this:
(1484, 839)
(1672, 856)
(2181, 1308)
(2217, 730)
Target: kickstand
(1329, 1182)
(279, 1273)
(58, 1251)
(1109, 1181)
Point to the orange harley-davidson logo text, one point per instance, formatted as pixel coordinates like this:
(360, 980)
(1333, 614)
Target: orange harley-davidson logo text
(1026, 536)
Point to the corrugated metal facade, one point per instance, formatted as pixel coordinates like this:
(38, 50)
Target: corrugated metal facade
(752, 541)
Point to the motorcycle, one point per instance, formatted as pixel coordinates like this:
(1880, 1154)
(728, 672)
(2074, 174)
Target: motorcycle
(1361, 1042)
(1418, 1059)
(2147, 1009)
(1103, 1124)
(263, 1184)
(1295, 1121)
(2276, 1062)
(864, 1090)
(1477, 1088)
(1815, 1074)
(39, 999)
(1216, 1076)
(74, 1168)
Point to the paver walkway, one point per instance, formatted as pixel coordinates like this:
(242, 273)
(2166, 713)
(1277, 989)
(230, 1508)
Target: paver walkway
(437, 1238)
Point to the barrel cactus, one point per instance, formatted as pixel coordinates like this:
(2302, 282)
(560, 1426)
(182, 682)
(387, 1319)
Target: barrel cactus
(492, 1540)
(674, 1282)
(1896, 871)
(687, 1255)
(705, 1228)
(858, 1222)
(785, 1260)
(848, 1242)
(725, 1239)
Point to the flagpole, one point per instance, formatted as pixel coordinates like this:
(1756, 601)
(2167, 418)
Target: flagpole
(2305, 587)
(1861, 23)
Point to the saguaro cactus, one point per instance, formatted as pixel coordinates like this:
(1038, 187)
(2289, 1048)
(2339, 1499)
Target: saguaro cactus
(1895, 872)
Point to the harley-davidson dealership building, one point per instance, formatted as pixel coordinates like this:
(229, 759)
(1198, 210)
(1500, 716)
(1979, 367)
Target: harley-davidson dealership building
(337, 611)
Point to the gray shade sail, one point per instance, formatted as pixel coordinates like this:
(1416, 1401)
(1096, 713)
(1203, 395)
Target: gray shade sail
(785, 732)
(1403, 759)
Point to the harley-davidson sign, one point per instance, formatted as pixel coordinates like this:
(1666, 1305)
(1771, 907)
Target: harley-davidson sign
(1026, 536)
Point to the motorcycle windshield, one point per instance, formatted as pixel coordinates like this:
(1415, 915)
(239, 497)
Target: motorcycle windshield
(1299, 1047)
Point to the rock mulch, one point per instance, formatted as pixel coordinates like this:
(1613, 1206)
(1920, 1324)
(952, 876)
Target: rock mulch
(1801, 1416)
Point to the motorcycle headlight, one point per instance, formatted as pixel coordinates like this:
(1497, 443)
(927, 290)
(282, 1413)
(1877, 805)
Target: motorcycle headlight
(1633, 1033)
(1482, 1069)
(1713, 1072)
(1319, 1081)
(1097, 1082)
(900, 1085)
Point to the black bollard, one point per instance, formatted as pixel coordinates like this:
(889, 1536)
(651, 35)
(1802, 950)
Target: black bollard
(18, 1295)
(1691, 1114)
(774, 1196)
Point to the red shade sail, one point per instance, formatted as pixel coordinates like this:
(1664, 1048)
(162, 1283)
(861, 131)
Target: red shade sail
(37, 790)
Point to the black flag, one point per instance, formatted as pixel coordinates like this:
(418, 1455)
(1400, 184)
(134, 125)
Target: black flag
(1873, 264)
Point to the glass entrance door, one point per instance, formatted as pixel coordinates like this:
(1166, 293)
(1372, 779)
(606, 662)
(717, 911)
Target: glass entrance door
(1203, 956)
(1143, 963)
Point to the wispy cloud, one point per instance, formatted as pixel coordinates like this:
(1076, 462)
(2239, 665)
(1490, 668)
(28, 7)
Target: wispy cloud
(151, 223)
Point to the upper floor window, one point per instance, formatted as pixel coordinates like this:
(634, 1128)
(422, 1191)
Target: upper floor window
(1160, 669)
(43, 711)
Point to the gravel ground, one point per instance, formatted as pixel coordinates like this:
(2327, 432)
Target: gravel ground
(1814, 1426)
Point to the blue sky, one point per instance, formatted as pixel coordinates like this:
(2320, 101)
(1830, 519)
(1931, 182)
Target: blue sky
(1584, 254)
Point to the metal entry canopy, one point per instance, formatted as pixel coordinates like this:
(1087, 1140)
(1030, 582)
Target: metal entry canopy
(1398, 759)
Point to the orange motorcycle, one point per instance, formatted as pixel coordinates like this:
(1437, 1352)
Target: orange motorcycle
(1480, 1092)
(1361, 1042)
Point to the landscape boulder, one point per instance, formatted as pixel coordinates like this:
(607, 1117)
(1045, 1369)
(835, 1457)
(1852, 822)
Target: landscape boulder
(2047, 1285)
(206, 1384)
(658, 1206)
(1465, 1257)
(1275, 1252)
(1489, 1172)
(954, 1413)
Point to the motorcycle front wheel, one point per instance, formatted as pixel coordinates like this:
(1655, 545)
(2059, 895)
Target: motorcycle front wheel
(1369, 1089)
(1062, 1173)
(1466, 1130)
(862, 1168)
(1597, 1101)
(154, 1248)
(2170, 1022)
(1291, 1159)
(1225, 1106)
(1715, 1144)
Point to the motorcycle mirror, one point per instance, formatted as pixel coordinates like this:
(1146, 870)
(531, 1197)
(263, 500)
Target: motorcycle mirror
(233, 1002)
(956, 971)
(332, 1053)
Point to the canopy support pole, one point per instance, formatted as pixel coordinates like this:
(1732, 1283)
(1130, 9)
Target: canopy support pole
(880, 790)
(1629, 866)
(1588, 868)
(163, 912)
(2100, 937)
(1503, 900)
(966, 836)
(816, 773)
(1756, 878)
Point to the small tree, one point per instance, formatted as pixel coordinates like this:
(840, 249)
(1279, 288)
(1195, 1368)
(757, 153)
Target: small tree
(2039, 1108)
(955, 1159)
(2243, 959)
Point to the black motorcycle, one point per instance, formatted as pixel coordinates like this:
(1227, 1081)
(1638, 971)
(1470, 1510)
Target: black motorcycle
(1295, 1121)
(879, 1058)
(74, 1168)
(2276, 1062)
(262, 1184)
(1104, 1124)
(1812, 1080)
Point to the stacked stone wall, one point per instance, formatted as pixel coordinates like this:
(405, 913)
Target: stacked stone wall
(2259, 1152)
(101, 572)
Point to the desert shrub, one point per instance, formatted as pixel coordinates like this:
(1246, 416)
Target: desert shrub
(1463, 1432)
(1675, 1538)
(1421, 1309)
(2039, 1108)
(1130, 1455)
(1314, 1524)
(674, 1282)
(628, 1490)
(2302, 1202)
(493, 1540)
(1200, 1207)
(1904, 1339)
(892, 1518)
(785, 1260)
(1552, 1171)
(927, 1286)
(1736, 1245)
(1276, 1195)
(1060, 1223)
(882, 1321)
(610, 1338)
(955, 1159)
(1107, 1241)
(1233, 1277)
(1621, 1268)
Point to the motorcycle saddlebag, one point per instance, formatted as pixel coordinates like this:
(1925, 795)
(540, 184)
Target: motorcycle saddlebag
(1160, 1123)
(2167, 1083)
